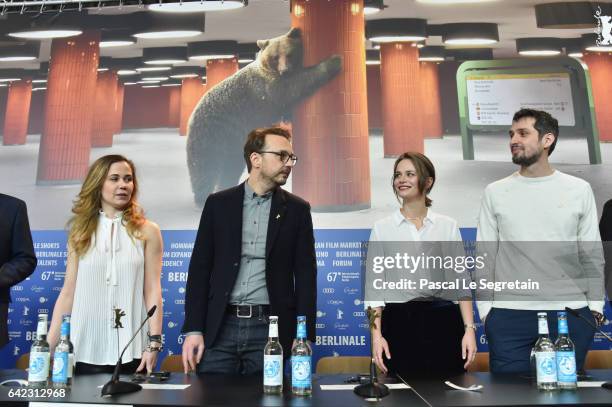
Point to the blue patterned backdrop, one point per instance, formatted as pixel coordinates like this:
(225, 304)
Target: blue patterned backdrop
(341, 320)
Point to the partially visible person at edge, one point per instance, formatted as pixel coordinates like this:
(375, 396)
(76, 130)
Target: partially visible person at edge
(605, 230)
(17, 257)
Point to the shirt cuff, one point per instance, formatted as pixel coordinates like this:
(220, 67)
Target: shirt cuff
(373, 304)
(194, 333)
(596, 306)
(483, 309)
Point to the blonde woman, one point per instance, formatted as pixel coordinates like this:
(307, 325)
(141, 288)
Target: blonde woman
(113, 273)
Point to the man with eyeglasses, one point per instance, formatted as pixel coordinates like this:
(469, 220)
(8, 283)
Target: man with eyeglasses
(253, 257)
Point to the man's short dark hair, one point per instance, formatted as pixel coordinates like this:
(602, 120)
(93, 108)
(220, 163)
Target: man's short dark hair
(544, 124)
(256, 141)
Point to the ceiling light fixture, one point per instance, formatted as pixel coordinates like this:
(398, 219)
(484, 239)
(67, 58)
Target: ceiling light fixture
(42, 27)
(161, 26)
(573, 47)
(204, 50)
(454, 1)
(153, 69)
(127, 72)
(372, 57)
(470, 33)
(164, 55)
(154, 79)
(182, 72)
(373, 6)
(538, 46)
(570, 15)
(171, 84)
(247, 52)
(396, 30)
(116, 38)
(17, 53)
(432, 53)
(196, 6)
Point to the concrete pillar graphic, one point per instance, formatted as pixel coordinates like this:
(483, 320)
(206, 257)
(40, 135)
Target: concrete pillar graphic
(430, 96)
(17, 112)
(174, 106)
(330, 129)
(219, 69)
(191, 92)
(600, 66)
(119, 95)
(105, 115)
(401, 98)
(71, 90)
(374, 101)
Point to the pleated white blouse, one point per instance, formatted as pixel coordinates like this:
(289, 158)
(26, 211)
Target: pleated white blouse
(110, 277)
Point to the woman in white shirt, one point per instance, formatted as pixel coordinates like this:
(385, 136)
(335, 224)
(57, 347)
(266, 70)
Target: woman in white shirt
(113, 273)
(419, 333)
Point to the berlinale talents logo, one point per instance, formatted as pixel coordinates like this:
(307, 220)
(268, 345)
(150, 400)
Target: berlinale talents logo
(603, 29)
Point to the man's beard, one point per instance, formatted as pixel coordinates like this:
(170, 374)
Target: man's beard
(526, 161)
(278, 179)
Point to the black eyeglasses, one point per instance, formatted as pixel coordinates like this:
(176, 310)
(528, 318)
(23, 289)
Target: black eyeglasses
(284, 156)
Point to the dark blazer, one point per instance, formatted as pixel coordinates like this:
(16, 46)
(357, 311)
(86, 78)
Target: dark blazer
(17, 259)
(291, 270)
(605, 229)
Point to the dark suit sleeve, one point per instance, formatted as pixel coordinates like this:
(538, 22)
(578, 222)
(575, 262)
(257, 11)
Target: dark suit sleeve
(23, 260)
(605, 229)
(200, 267)
(305, 273)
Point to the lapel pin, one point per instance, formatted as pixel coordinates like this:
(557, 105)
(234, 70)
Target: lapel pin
(278, 216)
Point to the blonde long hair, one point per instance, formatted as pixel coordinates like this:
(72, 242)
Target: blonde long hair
(87, 205)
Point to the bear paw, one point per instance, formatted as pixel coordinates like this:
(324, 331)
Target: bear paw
(333, 65)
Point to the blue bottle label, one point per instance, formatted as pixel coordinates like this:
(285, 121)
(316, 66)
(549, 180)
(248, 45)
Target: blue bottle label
(60, 367)
(300, 372)
(546, 367)
(566, 366)
(273, 370)
(562, 326)
(39, 366)
(301, 331)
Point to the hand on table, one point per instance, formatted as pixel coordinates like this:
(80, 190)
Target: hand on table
(193, 349)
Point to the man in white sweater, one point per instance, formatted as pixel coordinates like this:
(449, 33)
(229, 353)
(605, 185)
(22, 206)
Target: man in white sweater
(542, 224)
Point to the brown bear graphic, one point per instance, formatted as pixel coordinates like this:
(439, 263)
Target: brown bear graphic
(260, 94)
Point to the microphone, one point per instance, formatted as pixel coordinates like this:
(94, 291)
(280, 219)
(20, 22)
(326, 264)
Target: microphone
(578, 315)
(116, 386)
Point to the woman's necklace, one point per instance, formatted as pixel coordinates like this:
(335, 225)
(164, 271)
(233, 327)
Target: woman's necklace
(409, 218)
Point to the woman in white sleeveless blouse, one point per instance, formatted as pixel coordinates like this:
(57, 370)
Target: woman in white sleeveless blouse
(113, 273)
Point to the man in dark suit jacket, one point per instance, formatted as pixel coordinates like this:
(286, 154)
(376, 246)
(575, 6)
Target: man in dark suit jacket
(253, 257)
(605, 230)
(17, 259)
